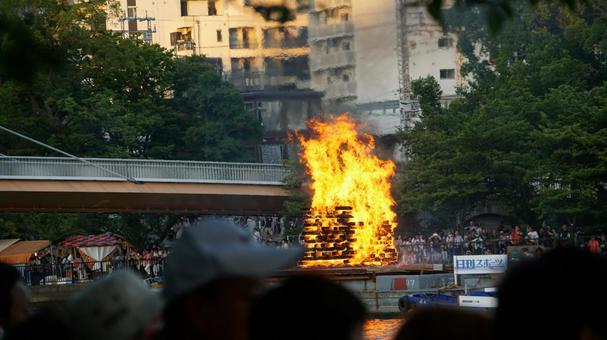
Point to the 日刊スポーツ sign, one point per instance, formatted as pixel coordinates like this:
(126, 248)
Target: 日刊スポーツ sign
(479, 264)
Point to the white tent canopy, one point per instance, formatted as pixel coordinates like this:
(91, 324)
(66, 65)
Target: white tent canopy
(98, 253)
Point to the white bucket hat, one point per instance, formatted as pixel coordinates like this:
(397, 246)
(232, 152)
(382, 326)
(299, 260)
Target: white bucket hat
(217, 248)
(117, 308)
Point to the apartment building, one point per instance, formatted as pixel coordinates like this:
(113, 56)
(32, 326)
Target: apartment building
(252, 53)
(332, 53)
(354, 60)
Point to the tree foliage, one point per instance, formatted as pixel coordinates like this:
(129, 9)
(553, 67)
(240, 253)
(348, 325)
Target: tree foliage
(213, 120)
(528, 134)
(495, 13)
(67, 81)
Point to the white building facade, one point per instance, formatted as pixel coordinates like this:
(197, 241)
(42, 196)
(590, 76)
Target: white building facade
(354, 61)
(346, 49)
(252, 52)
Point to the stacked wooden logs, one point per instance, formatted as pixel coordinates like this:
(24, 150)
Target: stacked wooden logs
(328, 240)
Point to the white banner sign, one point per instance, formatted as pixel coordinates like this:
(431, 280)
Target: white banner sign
(479, 264)
(477, 301)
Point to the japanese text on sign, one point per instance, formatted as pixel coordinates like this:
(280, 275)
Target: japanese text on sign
(479, 264)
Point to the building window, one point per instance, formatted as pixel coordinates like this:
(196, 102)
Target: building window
(260, 112)
(184, 8)
(346, 46)
(182, 39)
(174, 38)
(132, 25)
(242, 37)
(445, 42)
(346, 77)
(303, 6)
(246, 38)
(212, 8)
(285, 37)
(345, 17)
(131, 3)
(246, 64)
(131, 12)
(219, 36)
(447, 74)
(250, 107)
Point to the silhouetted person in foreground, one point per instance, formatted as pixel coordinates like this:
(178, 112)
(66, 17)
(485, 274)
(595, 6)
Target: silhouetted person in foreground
(210, 278)
(14, 298)
(445, 323)
(560, 295)
(45, 324)
(119, 307)
(307, 308)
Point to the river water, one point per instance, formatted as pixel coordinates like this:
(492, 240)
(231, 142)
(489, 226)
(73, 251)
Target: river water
(382, 329)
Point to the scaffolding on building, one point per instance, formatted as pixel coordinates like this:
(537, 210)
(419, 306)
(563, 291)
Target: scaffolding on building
(146, 33)
(408, 106)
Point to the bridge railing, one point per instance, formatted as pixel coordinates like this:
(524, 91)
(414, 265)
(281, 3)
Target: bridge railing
(60, 168)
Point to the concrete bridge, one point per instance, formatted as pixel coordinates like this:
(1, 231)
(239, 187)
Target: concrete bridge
(44, 184)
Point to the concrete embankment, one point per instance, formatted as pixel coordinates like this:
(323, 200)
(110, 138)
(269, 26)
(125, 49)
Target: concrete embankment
(49, 295)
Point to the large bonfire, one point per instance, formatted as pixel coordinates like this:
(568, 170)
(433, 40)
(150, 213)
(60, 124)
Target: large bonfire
(350, 221)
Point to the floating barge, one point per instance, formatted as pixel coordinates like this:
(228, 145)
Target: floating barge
(380, 288)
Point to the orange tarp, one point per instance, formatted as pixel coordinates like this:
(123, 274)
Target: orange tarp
(21, 252)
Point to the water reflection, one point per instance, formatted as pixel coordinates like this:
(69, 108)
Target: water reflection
(382, 329)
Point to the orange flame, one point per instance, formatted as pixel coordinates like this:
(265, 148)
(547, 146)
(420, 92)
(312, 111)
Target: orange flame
(346, 173)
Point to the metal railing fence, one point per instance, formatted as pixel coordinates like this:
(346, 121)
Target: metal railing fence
(141, 170)
(68, 273)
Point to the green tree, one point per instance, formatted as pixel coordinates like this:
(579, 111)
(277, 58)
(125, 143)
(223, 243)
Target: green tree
(299, 198)
(214, 122)
(527, 134)
(104, 95)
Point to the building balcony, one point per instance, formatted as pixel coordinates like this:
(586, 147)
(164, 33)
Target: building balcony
(246, 81)
(286, 43)
(319, 62)
(320, 5)
(321, 32)
(184, 45)
(341, 90)
(244, 44)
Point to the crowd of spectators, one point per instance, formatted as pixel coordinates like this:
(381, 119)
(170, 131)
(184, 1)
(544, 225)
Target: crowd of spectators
(476, 239)
(276, 231)
(73, 267)
(269, 230)
(214, 289)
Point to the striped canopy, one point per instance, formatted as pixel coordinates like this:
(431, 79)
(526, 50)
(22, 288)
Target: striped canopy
(103, 240)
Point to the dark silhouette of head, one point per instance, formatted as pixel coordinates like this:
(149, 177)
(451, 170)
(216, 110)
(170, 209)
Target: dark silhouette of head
(211, 276)
(321, 309)
(14, 299)
(46, 323)
(445, 323)
(558, 295)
